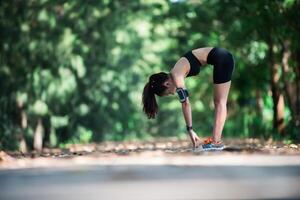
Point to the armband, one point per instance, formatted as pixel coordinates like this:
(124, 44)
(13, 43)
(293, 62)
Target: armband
(182, 94)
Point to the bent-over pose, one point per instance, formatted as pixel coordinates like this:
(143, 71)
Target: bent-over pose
(190, 64)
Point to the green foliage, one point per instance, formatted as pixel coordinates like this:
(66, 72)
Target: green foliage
(81, 66)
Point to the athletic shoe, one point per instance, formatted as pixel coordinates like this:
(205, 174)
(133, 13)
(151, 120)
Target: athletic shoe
(210, 146)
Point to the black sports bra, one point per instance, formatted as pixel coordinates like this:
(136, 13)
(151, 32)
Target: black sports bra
(194, 63)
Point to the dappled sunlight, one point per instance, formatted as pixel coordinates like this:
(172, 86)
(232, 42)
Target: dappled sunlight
(72, 100)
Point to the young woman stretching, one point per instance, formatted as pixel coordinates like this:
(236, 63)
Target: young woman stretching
(163, 84)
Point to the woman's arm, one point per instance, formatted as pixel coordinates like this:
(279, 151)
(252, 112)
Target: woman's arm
(186, 107)
(187, 112)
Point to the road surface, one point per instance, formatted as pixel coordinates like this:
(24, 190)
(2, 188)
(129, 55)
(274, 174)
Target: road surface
(143, 182)
(153, 171)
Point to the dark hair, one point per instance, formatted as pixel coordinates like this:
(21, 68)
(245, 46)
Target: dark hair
(154, 86)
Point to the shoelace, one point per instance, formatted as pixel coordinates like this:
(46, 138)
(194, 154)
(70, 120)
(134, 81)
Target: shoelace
(210, 140)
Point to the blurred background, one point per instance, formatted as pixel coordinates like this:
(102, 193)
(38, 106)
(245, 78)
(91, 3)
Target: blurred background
(74, 71)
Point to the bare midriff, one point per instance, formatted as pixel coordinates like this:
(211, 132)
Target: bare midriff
(202, 53)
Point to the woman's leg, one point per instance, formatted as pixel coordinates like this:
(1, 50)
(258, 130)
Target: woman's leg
(220, 101)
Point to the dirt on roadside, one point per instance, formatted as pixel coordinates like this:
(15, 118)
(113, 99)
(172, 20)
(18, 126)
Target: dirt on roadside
(165, 146)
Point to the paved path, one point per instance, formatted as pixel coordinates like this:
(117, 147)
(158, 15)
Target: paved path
(259, 177)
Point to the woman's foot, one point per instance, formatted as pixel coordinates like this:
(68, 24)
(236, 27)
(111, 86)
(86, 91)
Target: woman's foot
(210, 145)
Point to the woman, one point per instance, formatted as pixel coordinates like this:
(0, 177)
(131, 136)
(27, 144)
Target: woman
(188, 65)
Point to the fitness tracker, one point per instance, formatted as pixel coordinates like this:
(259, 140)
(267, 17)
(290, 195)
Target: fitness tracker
(188, 128)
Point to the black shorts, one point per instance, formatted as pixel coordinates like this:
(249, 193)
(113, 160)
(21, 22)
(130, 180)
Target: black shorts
(223, 63)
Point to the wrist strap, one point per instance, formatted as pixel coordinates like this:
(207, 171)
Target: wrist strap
(188, 128)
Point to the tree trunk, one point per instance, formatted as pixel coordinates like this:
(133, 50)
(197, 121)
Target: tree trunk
(297, 90)
(38, 136)
(280, 114)
(278, 100)
(292, 87)
(23, 123)
(259, 102)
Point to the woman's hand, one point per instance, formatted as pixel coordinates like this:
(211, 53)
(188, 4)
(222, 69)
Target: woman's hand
(195, 139)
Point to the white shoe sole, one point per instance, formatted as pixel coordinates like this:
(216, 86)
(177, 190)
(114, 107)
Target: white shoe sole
(209, 149)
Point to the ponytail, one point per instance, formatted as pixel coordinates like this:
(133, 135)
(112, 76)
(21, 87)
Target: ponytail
(154, 86)
(150, 106)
